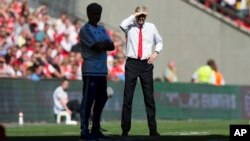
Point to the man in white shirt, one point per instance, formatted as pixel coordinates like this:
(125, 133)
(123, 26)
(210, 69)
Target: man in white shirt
(141, 38)
(62, 102)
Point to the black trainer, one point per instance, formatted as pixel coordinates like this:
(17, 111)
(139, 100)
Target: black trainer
(103, 130)
(124, 134)
(88, 137)
(99, 135)
(155, 134)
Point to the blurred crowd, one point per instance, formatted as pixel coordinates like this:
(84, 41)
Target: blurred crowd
(36, 46)
(237, 10)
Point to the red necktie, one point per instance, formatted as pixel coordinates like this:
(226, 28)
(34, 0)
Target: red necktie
(140, 43)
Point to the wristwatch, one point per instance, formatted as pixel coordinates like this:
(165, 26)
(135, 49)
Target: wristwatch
(157, 52)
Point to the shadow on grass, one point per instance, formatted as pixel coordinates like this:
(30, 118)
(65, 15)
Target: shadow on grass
(129, 138)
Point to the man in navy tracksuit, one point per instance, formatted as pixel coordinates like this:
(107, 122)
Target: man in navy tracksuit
(94, 43)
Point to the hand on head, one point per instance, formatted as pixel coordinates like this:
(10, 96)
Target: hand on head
(140, 13)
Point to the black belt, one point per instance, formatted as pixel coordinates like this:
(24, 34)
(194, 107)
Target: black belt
(134, 59)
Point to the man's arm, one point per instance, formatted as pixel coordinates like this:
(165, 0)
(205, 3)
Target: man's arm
(212, 78)
(105, 45)
(158, 46)
(158, 41)
(86, 38)
(126, 22)
(194, 78)
(64, 102)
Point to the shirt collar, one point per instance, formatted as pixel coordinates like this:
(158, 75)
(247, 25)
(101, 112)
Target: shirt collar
(137, 25)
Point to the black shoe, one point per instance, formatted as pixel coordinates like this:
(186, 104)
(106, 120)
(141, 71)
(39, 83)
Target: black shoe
(124, 134)
(154, 134)
(88, 137)
(103, 130)
(100, 136)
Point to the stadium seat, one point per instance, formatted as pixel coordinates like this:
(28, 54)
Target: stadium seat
(67, 116)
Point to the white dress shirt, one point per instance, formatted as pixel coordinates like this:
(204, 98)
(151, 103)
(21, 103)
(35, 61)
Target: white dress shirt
(58, 94)
(150, 37)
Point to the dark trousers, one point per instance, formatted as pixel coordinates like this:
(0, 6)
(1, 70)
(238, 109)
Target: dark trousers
(74, 107)
(133, 69)
(94, 89)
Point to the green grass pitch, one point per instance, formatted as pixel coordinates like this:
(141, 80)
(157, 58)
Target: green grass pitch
(176, 130)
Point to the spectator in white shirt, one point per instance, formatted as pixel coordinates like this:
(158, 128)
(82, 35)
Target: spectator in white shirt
(62, 102)
(5, 69)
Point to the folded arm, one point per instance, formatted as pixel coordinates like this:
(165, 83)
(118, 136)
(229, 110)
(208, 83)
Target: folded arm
(105, 45)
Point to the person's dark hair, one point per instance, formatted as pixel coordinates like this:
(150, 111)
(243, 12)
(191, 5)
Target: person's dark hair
(64, 79)
(212, 64)
(94, 7)
(31, 69)
(76, 21)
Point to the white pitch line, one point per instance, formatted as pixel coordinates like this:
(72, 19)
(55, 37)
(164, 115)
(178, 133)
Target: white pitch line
(186, 133)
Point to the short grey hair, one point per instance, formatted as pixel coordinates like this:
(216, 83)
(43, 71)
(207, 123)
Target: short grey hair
(141, 9)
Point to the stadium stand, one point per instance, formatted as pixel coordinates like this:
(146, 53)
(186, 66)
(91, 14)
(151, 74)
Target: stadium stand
(235, 12)
(37, 46)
